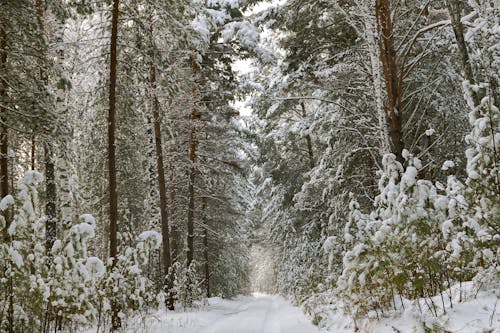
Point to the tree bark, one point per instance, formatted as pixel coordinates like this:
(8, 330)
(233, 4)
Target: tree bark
(192, 176)
(310, 153)
(50, 181)
(173, 227)
(4, 166)
(169, 302)
(33, 152)
(391, 75)
(206, 266)
(113, 197)
(376, 74)
(191, 192)
(4, 135)
(50, 205)
(455, 9)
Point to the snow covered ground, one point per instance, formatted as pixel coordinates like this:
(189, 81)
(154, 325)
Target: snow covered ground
(480, 313)
(471, 311)
(273, 314)
(245, 314)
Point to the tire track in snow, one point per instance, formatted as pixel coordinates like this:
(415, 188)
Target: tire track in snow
(271, 322)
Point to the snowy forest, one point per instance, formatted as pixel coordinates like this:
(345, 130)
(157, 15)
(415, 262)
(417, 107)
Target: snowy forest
(246, 166)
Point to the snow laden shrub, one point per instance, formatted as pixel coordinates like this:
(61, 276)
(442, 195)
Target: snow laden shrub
(129, 283)
(482, 39)
(482, 191)
(398, 249)
(44, 289)
(472, 208)
(74, 275)
(21, 300)
(422, 237)
(188, 286)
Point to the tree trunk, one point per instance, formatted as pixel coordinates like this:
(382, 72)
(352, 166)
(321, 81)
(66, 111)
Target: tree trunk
(455, 9)
(50, 181)
(391, 75)
(205, 247)
(191, 192)
(33, 152)
(4, 134)
(191, 206)
(192, 175)
(50, 205)
(169, 302)
(173, 227)
(310, 153)
(376, 74)
(174, 233)
(65, 165)
(113, 197)
(4, 167)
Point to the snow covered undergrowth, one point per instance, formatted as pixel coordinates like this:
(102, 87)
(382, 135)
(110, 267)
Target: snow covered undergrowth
(477, 315)
(469, 311)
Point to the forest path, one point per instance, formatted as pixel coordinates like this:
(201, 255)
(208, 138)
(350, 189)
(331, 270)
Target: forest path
(245, 314)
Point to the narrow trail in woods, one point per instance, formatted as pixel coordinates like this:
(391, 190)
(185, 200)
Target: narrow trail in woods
(249, 314)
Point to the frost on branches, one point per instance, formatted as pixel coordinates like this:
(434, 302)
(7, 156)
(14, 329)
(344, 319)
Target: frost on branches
(63, 287)
(423, 237)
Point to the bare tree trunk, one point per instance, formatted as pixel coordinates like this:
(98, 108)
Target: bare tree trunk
(191, 192)
(4, 167)
(391, 75)
(192, 175)
(310, 153)
(113, 197)
(191, 205)
(168, 283)
(205, 247)
(50, 182)
(4, 134)
(64, 166)
(376, 73)
(33, 152)
(50, 205)
(173, 227)
(174, 233)
(455, 10)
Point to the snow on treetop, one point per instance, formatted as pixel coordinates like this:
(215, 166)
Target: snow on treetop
(83, 230)
(87, 218)
(96, 266)
(225, 3)
(6, 202)
(32, 177)
(151, 236)
(447, 165)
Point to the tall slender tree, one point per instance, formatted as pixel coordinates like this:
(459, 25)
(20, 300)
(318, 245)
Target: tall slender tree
(455, 10)
(167, 261)
(113, 196)
(50, 181)
(4, 135)
(393, 81)
(192, 170)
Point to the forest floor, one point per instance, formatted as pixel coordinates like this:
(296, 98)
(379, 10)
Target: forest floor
(479, 313)
(245, 314)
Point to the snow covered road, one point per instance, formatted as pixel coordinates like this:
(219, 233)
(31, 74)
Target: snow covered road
(250, 314)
